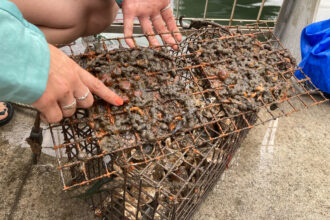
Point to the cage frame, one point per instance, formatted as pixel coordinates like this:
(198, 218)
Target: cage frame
(178, 210)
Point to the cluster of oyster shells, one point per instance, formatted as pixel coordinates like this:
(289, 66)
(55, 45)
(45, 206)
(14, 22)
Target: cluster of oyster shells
(169, 123)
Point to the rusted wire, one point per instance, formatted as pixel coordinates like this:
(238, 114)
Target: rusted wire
(151, 181)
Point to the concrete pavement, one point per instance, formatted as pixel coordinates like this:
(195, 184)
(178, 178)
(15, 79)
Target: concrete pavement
(281, 171)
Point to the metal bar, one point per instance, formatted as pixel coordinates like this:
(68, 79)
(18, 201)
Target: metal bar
(125, 173)
(185, 163)
(202, 18)
(260, 10)
(177, 9)
(228, 19)
(232, 12)
(205, 9)
(118, 28)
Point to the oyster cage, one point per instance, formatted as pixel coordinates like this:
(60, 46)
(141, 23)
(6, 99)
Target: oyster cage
(185, 114)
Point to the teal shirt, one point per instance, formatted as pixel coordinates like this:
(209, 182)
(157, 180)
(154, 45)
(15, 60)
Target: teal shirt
(24, 57)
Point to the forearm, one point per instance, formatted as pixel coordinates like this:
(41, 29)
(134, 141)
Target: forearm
(24, 57)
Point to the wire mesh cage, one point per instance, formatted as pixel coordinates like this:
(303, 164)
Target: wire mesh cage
(185, 114)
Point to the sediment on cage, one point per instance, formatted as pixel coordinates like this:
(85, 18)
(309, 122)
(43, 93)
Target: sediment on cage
(185, 113)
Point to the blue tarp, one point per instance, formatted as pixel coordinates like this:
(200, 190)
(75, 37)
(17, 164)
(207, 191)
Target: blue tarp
(315, 53)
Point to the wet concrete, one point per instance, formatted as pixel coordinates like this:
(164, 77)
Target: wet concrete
(285, 177)
(32, 191)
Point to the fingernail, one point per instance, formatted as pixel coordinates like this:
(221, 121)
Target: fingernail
(119, 101)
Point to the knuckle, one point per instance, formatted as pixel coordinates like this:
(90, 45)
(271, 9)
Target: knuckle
(97, 85)
(72, 76)
(162, 30)
(172, 25)
(65, 89)
(54, 114)
(44, 104)
(58, 117)
(168, 16)
(154, 42)
(67, 114)
(54, 118)
(148, 32)
(87, 103)
(168, 38)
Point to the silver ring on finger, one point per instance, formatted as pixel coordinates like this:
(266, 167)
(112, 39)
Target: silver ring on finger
(167, 7)
(71, 106)
(82, 98)
(154, 18)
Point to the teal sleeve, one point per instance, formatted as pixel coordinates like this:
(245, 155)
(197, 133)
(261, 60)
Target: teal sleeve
(24, 57)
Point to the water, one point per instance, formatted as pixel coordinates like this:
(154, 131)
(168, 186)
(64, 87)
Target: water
(245, 9)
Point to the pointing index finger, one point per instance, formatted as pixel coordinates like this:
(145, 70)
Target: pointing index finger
(99, 89)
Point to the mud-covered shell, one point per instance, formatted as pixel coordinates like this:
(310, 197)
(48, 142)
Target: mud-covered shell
(147, 194)
(172, 161)
(131, 206)
(213, 156)
(147, 151)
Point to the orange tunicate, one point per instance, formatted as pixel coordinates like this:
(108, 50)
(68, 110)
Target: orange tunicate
(137, 109)
(179, 118)
(172, 126)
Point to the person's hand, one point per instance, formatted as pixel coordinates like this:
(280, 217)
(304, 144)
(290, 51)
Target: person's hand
(155, 13)
(68, 87)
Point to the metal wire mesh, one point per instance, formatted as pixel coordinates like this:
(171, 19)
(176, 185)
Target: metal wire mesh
(185, 114)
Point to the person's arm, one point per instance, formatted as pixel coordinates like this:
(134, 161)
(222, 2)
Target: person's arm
(24, 57)
(32, 71)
